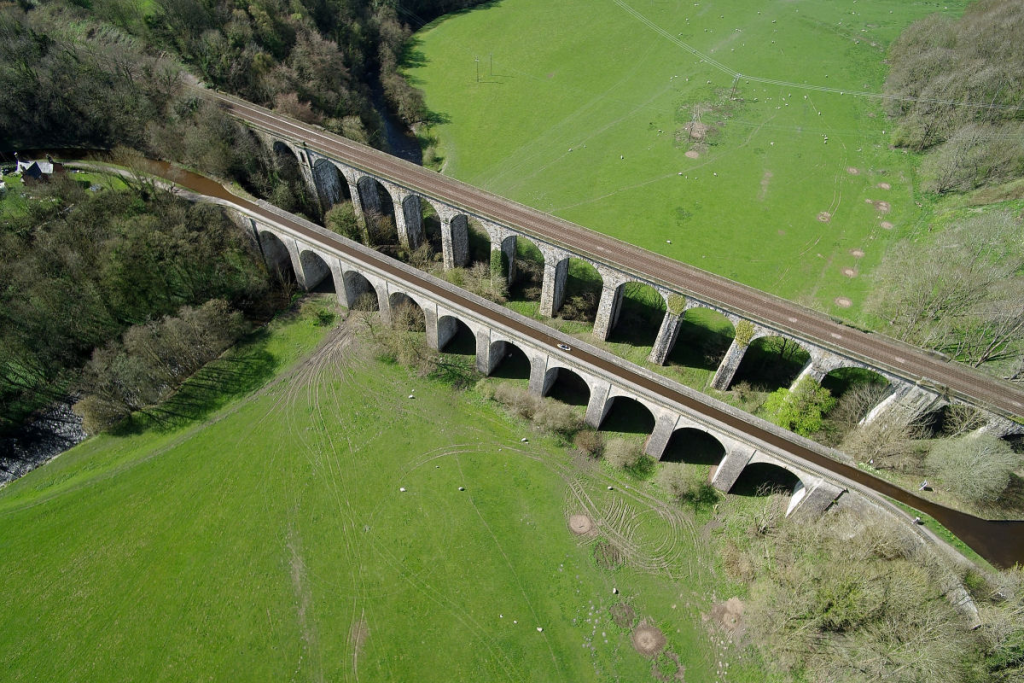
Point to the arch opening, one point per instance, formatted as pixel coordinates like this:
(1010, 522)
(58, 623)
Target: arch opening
(277, 258)
(431, 229)
(857, 391)
(514, 364)
(629, 416)
(330, 185)
(462, 341)
(695, 447)
(703, 340)
(765, 479)
(288, 189)
(360, 292)
(406, 314)
(528, 278)
(316, 273)
(379, 214)
(771, 363)
(479, 242)
(640, 315)
(583, 286)
(569, 387)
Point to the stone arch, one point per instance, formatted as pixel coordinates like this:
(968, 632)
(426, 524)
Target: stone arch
(478, 240)
(694, 446)
(871, 386)
(316, 271)
(455, 335)
(407, 312)
(771, 361)
(514, 363)
(640, 314)
(705, 334)
(276, 256)
(378, 210)
(360, 292)
(528, 276)
(285, 153)
(412, 217)
(331, 187)
(584, 285)
(627, 414)
(430, 219)
(763, 477)
(568, 386)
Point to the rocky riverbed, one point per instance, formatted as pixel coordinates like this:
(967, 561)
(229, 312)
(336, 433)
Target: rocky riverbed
(44, 438)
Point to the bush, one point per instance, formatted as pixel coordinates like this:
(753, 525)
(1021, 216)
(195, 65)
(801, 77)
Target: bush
(342, 219)
(976, 468)
(622, 453)
(517, 399)
(557, 417)
(689, 485)
(590, 442)
(801, 410)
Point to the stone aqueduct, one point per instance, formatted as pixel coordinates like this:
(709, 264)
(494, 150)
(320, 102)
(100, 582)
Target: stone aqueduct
(332, 181)
(313, 262)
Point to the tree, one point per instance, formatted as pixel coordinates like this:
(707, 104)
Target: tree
(976, 468)
(960, 292)
(801, 410)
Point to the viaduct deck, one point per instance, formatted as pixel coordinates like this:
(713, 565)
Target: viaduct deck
(874, 349)
(1001, 542)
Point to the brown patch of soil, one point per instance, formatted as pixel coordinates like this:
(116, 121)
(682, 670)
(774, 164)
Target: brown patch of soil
(882, 207)
(692, 155)
(705, 531)
(857, 253)
(696, 130)
(623, 615)
(357, 635)
(765, 180)
(647, 639)
(581, 525)
(728, 616)
(824, 216)
(849, 272)
(884, 186)
(852, 171)
(608, 556)
(887, 225)
(843, 302)
(781, 232)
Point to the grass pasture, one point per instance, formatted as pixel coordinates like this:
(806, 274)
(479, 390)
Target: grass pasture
(587, 109)
(260, 533)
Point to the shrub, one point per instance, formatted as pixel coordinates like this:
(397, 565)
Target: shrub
(342, 220)
(553, 416)
(976, 468)
(801, 410)
(744, 332)
(517, 399)
(590, 442)
(622, 453)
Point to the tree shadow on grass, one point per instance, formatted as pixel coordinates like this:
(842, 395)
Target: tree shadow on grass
(242, 371)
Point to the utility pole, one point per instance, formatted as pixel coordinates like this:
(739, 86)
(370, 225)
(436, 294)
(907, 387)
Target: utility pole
(490, 70)
(477, 69)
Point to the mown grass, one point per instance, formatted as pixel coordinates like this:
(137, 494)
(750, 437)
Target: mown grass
(259, 533)
(580, 110)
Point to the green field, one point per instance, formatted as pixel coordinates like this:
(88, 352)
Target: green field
(254, 529)
(581, 109)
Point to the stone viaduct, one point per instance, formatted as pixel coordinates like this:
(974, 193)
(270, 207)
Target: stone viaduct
(332, 180)
(315, 255)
